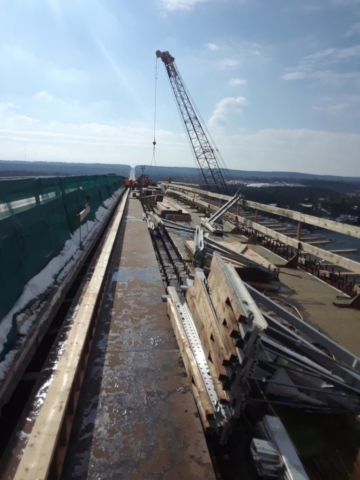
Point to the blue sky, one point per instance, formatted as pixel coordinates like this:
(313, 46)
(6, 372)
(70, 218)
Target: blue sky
(277, 82)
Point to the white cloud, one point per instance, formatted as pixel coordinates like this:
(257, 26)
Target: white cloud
(234, 82)
(338, 104)
(229, 63)
(82, 138)
(294, 76)
(303, 150)
(334, 54)
(327, 65)
(335, 109)
(308, 8)
(174, 5)
(230, 53)
(21, 119)
(212, 46)
(67, 75)
(43, 95)
(344, 3)
(328, 76)
(353, 30)
(6, 106)
(48, 71)
(296, 150)
(227, 106)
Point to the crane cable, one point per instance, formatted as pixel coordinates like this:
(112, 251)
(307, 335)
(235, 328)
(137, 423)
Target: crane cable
(155, 102)
(153, 159)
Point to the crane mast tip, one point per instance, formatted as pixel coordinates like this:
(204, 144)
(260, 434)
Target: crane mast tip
(165, 57)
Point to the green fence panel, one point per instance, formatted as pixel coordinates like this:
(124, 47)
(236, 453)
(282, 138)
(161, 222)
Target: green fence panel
(37, 217)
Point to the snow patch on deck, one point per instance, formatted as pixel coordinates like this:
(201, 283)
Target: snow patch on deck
(53, 274)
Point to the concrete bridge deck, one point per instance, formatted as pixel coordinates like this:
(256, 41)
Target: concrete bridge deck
(136, 416)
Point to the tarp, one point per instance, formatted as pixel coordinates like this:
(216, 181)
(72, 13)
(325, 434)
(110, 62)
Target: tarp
(37, 216)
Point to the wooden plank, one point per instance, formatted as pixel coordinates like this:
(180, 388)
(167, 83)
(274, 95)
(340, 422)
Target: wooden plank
(205, 334)
(180, 247)
(222, 303)
(44, 319)
(310, 249)
(150, 199)
(319, 242)
(308, 238)
(205, 206)
(189, 360)
(329, 273)
(211, 323)
(351, 230)
(305, 247)
(225, 397)
(345, 250)
(281, 228)
(205, 422)
(176, 206)
(172, 211)
(219, 284)
(43, 440)
(227, 342)
(214, 362)
(84, 213)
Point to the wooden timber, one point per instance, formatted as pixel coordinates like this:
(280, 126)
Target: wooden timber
(189, 361)
(343, 228)
(44, 319)
(212, 326)
(319, 242)
(171, 211)
(306, 247)
(43, 455)
(214, 350)
(223, 294)
(151, 199)
(345, 250)
(329, 273)
(303, 246)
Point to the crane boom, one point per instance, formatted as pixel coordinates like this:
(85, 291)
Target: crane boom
(203, 147)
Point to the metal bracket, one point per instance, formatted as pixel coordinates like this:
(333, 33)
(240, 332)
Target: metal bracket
(222, 413)
(292, 263)
(355, 303)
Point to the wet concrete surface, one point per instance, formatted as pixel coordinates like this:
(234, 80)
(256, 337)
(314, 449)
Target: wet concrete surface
(136, 417)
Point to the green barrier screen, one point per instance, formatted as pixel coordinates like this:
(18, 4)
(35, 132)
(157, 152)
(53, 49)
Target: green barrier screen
(37, 216)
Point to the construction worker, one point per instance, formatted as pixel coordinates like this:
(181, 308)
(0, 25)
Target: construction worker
(146, 181)
(170, 180)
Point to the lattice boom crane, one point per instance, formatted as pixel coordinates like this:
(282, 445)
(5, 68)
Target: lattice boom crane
(203, 147)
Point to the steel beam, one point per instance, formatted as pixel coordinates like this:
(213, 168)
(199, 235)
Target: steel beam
(341, 353)
(343, 228)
